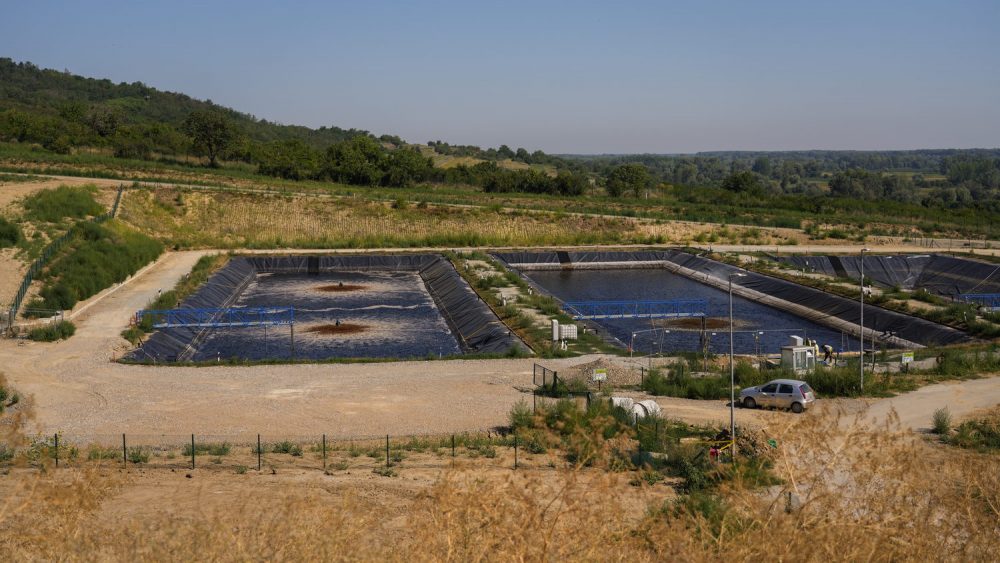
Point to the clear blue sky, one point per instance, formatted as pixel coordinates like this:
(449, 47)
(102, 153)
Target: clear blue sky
(584, 77)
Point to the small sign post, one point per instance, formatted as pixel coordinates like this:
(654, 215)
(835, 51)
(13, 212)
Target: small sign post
(905, 360)
(600, 374)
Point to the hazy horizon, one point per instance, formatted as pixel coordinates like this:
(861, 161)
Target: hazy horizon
(575, 78)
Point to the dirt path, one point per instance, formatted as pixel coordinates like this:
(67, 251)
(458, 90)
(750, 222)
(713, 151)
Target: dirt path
(915, 409)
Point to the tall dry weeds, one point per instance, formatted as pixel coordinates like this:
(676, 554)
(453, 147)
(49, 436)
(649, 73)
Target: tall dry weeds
(858, 493)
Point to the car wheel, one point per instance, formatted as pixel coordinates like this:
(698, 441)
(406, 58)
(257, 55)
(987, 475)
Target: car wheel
(797, 408)
(749, 403)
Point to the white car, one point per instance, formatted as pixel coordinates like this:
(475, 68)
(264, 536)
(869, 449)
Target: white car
(781, 393)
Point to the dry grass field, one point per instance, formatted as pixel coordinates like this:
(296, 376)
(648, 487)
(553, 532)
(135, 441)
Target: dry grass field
(236, 220)
(847, 492)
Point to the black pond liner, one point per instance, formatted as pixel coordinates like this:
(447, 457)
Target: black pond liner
(939, 274)
(473, 324)
(828, 308)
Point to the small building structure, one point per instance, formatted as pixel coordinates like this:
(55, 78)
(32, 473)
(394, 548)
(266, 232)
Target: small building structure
(798, 356)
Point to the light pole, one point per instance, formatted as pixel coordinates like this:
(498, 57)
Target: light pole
(732, 370)
(861, 357)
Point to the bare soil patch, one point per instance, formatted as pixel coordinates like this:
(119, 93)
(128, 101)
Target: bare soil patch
(342, 328)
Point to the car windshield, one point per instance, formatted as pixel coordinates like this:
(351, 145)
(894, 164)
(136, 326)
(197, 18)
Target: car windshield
(805, 388)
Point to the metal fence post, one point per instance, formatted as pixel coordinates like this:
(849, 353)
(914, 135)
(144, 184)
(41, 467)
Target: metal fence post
(387, 450)
(56, 438)
(124, 453)
(453, 446)
(258, 452)
(192, 451)
(324, 451)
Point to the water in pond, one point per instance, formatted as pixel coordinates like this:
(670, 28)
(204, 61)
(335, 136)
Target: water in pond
(758, 328)
(338, 315)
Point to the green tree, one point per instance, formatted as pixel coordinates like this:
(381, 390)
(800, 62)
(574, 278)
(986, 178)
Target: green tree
(359, 161)
(633, 177)
(292, 159)
(743, 182)
(211, 133)
(406, 166)
(104, 120)
(762, 166)
(570, 183)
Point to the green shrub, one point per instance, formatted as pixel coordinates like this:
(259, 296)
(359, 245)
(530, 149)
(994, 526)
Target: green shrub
(138, 454)
(960, 363)
(10, 233)
(681, 384)
(53, 332)
(520, 416)
(54, 205)
(96, 257)
(132, 334)
(982, 433)
(286, 447)
(942, 421)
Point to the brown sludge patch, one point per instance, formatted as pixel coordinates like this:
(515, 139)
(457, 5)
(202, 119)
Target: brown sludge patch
(338, 287)
(342, 328)
(711, 323)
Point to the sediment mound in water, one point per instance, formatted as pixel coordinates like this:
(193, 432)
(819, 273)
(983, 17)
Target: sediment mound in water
(340, 287)
(342, 328)
(711, 323)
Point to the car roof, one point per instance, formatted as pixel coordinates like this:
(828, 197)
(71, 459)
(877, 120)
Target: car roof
(789, 381)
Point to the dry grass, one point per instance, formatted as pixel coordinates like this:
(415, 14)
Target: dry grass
(269, 221)
(857, 494)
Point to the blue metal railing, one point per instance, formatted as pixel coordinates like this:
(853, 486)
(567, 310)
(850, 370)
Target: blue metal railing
(636, 309)
(991, 300)
(218, 318)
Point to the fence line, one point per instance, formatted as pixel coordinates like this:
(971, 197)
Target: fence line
(498, 449)
(47, 253)
(384, 454)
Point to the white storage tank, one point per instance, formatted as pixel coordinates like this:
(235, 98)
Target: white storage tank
(567, 332)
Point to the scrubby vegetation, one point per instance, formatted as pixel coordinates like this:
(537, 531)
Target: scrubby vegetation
(10, 233)
(845, 381)
(50, 333)
(98, 256)
(979, 433)
(64, 202)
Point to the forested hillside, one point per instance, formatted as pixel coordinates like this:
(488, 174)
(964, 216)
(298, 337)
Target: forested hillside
(60, 108)
(64, 114)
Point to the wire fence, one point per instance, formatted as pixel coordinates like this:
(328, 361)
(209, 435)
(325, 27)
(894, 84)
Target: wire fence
(498, 449)
(264, 452)
(47, 253)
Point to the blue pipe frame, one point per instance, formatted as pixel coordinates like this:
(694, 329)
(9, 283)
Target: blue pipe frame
(676, 308)
(219, 318)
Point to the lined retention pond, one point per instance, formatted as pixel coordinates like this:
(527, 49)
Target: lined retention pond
(338, 315)
(758, 328)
